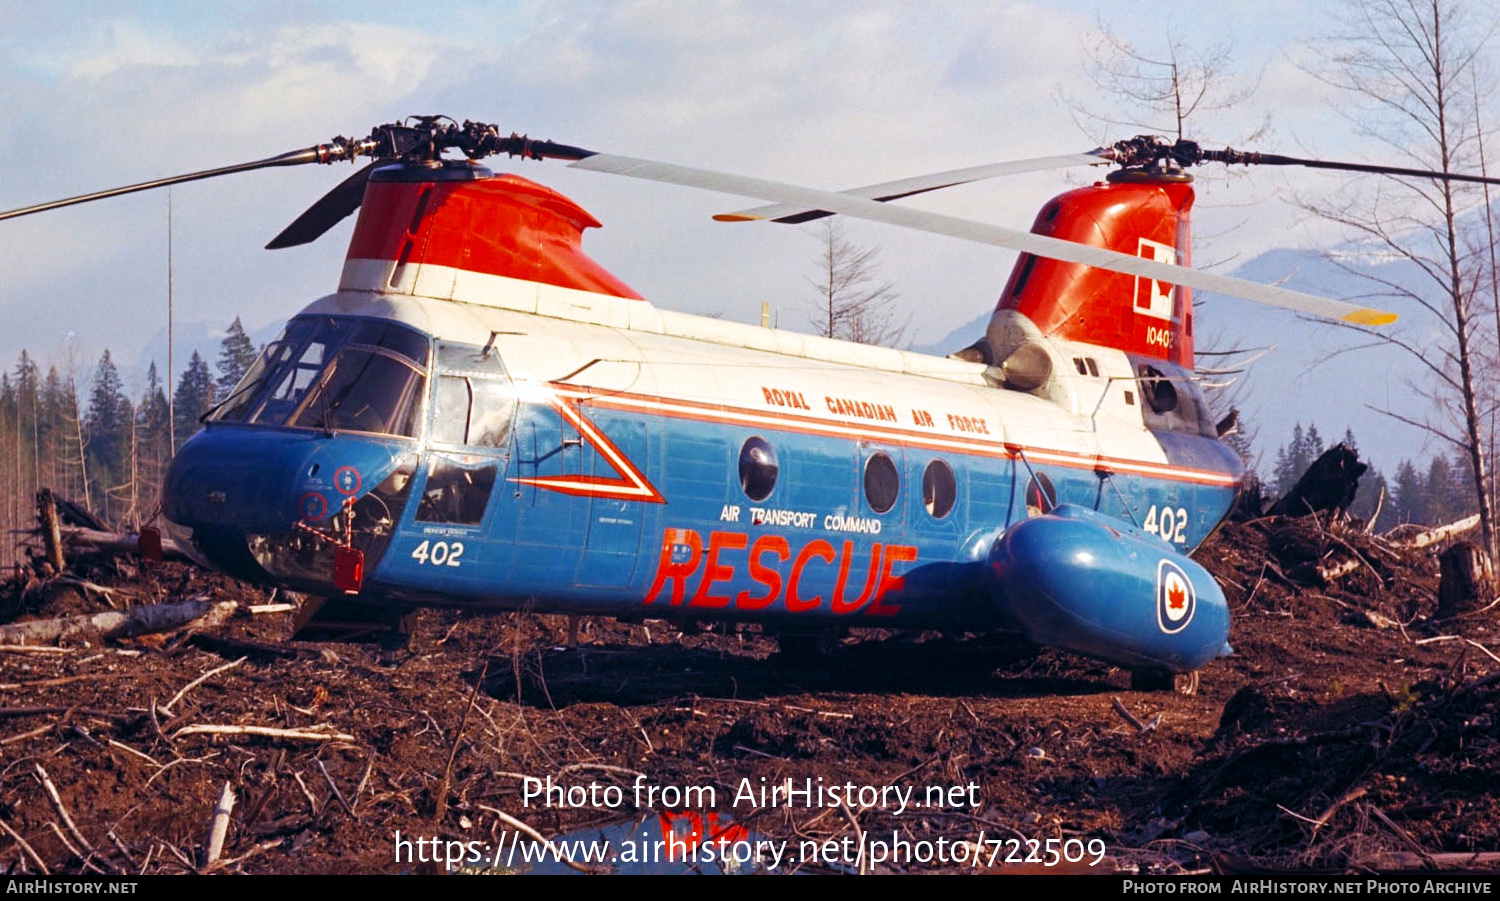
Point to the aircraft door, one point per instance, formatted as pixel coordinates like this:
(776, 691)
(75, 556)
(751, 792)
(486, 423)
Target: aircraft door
(615, 522)
(472, 413)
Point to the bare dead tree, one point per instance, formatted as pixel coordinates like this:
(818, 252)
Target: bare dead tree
(1158, 90)
(854, 303)
(1403, 63)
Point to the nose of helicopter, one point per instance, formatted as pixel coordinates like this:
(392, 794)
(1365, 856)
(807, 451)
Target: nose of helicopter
(230, 490)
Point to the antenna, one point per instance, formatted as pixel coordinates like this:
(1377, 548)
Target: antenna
(171, 411)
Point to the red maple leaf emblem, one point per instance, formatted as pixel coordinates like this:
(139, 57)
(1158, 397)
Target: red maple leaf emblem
(1176, 597)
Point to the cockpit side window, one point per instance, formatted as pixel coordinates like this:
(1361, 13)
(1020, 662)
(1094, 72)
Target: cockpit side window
(450, 410)
(474, 401)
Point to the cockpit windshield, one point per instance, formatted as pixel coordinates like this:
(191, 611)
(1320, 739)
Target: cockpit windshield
(335, 373)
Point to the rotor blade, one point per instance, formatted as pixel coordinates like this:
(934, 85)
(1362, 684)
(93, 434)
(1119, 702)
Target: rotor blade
(317, 154)
(1272, 159)
(331, 209)
(984, 233)
(907, 187)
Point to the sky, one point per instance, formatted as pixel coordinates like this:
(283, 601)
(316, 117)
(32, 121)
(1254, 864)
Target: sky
(829, 94)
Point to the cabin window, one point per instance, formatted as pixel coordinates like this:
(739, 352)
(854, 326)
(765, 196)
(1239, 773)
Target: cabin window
(493, 411)
(456, 493)
(1157, 389)
(939, 489)
(882, 483)
(758, 469)
(450, 410)
(1173, 401)
(472, 411)
(475, 402)
(1041, 496)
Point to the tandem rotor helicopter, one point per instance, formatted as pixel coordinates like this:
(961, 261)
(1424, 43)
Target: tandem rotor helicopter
(482, 417)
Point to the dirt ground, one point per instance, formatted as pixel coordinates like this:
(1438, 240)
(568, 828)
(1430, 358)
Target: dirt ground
(1352, 731)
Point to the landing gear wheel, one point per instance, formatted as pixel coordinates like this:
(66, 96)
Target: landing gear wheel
(1157, 680)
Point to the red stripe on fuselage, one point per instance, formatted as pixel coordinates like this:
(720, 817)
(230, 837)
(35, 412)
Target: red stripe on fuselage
(632, 484)
(717, 413)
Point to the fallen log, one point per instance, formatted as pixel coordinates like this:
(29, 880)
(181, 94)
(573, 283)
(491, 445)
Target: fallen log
(1438, 534)
(93, 539)
(140, 620)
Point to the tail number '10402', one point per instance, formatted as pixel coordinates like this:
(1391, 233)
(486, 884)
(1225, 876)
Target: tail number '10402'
(1168, 523)
(439, 553)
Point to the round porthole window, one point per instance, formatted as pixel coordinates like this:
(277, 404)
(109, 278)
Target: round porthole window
(758, 468)
(939, 490)
(1041, 497)
(882, 483)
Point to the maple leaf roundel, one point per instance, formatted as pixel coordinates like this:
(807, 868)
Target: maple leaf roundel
(1175, 598)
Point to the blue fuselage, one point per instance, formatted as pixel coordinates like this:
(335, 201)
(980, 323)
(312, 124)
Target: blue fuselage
(637, 505)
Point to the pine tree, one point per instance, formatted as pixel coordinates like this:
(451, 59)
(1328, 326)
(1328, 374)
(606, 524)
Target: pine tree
(64, 429)
(1291, 462)
(195, 395)
(109, 431)
(1410, 494)
(10, 489)
(236, 356)
(152, 437)
(1440, 490)
(28, 429)
(1313, 449)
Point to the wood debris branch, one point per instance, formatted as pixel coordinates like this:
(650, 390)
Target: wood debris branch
(317, 733)
(1332, 572)
(142, 620)
(26, 848)
(859, 837)
(1435, 535)
(259, 609)
(1129, 717)
(218, 827)
(555, 852)
(167, 707)
(62, 810)
(442, 798)
(338, 795)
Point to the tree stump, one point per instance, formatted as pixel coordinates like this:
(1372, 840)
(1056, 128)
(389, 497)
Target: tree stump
(1467, 582)
(46, 517)
(1329, 484)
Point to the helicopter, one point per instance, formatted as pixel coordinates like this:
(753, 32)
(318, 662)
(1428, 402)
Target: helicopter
(482, 417)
